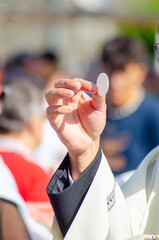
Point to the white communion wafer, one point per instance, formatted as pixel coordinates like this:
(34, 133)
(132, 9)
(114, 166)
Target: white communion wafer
(103, 84)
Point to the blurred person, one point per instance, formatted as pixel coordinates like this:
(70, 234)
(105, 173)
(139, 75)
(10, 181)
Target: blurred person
(17, 66)
(42, 69)
(51, 150)
(45, 66)
(16, 63)
(15, 221)
(132, 128)
(21, 124)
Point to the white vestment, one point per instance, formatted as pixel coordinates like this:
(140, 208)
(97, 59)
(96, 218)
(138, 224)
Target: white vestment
(106, 214)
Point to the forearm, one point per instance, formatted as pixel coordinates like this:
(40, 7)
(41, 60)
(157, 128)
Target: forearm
(78, 120)
(79, 162)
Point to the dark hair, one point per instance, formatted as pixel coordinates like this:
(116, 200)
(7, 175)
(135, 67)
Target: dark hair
(22, 100)
(50, 56)
(117, 53)
(17, 61)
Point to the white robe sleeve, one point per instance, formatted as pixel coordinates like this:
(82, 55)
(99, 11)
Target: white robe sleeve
(102, 214)
(141, 193)
(106, 214)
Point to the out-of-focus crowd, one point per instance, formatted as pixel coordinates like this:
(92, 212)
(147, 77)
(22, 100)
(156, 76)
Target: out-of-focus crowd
(29, 148)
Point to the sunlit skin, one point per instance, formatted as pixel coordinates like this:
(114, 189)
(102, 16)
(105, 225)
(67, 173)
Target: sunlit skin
(78, 119)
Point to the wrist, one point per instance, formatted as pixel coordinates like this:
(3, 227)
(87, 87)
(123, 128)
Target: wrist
(79, 162)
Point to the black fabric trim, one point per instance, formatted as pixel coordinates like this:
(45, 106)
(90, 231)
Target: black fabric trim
(65, 199)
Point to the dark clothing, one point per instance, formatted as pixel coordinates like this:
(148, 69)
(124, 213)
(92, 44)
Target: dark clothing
(141, 129)
(12, 226)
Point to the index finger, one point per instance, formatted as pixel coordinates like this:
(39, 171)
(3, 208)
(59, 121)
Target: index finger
(76, 84)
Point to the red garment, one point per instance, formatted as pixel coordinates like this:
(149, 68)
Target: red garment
(31, 179)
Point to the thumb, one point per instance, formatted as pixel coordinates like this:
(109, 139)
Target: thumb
(98, 102)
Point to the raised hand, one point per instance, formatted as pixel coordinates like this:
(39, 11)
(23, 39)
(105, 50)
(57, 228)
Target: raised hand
(77, 118)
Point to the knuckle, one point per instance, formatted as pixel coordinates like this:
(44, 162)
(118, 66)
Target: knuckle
(58, 82)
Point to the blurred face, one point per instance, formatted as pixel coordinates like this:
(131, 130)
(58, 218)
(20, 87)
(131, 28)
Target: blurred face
(124, 83)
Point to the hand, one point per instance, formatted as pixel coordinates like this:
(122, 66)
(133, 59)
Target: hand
(77, 118)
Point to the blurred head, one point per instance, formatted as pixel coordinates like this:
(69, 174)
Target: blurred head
(43, 65)
(124, 61)
(23, 109)
(20, 65)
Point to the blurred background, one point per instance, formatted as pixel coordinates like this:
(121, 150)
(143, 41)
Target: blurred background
(74, 29)
(43, 40)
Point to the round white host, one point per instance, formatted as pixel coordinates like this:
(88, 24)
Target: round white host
(103, 84)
